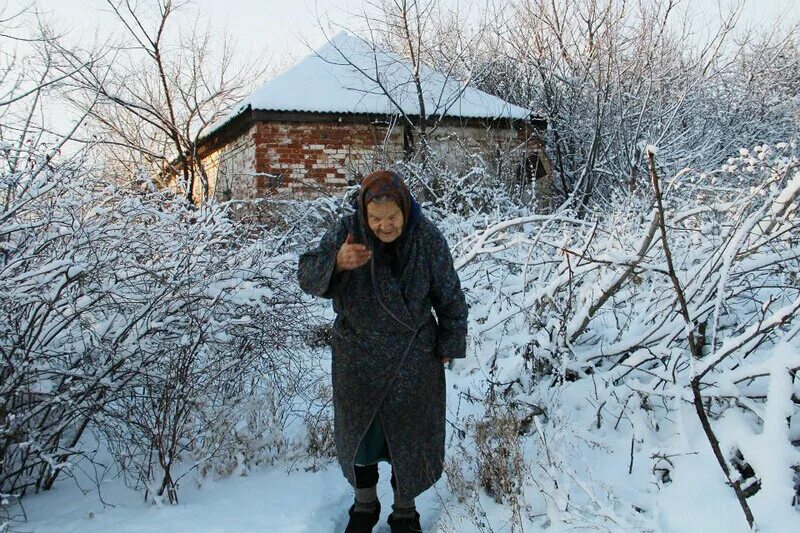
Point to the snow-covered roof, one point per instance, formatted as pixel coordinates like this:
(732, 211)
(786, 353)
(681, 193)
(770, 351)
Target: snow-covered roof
(350, 75)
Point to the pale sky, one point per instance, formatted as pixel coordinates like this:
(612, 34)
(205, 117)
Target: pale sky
(279, 26)
(282, 26)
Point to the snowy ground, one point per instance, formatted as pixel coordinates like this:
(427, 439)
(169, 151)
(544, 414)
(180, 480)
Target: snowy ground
(596, 491)
(271, 500)
(287, 497)
(279, 499)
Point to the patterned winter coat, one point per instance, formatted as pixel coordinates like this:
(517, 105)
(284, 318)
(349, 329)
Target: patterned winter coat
(387, 346)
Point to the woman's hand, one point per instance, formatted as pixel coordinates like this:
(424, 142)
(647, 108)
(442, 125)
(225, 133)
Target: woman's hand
(351, 255)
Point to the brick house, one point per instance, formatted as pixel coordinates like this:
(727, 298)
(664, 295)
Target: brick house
(339, 113)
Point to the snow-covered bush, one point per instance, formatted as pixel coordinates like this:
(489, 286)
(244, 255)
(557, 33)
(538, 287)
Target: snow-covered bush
(144, 319)
(610, 77)
(466, 190)
(588, 319)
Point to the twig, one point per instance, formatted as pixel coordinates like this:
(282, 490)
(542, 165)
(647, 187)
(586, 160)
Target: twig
(695, 349)
(630, 465)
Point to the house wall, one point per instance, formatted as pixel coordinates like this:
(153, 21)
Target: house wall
(231, 169)
(538, 172)
(513, 153)
(455, 143)
(301, 159)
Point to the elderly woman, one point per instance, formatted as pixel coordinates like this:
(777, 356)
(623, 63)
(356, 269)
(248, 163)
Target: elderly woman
(386, 267)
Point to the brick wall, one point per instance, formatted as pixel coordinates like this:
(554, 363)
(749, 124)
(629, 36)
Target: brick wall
(300, 159)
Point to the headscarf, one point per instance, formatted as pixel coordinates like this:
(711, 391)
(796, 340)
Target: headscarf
(389, 184)
(385, 183)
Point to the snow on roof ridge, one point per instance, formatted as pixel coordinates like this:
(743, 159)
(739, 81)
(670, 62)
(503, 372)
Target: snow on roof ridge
(342, 77)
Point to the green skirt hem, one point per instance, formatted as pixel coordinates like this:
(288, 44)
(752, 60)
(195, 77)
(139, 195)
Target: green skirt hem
(373, 447)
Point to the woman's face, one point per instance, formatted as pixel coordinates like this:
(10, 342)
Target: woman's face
(385, 219)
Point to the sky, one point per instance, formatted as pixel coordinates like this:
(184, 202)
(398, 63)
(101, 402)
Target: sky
(280, 27)
(281, 32)
(285, 28)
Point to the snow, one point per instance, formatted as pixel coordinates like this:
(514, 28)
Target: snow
(697, 500)
(771, 452)
(608, 439)
(349, 75)
(788, 194)
(271, 500)
(288, 497)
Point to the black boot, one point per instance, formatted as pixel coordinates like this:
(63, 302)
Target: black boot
(405, 524)
(363, 522)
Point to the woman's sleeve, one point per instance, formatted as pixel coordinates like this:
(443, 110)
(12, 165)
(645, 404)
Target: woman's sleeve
(316, 270)
(449, 304)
